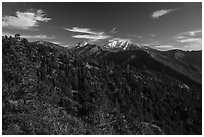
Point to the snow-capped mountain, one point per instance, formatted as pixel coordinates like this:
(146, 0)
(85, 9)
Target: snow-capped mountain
(82, 44)
(114, 45)
(121, 45)
(111, 45)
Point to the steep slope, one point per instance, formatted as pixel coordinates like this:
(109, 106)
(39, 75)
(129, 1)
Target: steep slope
(85, 49)
(156, 61)
(183, 65)
(189, 57)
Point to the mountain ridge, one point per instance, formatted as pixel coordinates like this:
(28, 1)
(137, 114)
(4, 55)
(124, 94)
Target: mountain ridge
(175, 60)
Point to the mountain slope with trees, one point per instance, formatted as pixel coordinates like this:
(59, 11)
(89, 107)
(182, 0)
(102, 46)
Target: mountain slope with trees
(48, 89)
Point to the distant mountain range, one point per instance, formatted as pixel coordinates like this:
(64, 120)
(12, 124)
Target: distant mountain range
(183, 65)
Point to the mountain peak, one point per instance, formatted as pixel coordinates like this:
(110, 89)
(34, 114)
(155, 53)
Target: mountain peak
(82, 44)
(123, 44)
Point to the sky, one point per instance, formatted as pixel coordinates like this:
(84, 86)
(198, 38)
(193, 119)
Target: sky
(163, 26)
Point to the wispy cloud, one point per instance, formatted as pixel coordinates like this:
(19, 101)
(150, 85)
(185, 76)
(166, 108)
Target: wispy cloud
(159, 13)
(190, 39)
(92, 37)
(119, 39)
(25, 20)
(187, 40)
(160, 45)
(188, 35)
(84, 30)
(164, 46)
(86, 33)
(40, 36)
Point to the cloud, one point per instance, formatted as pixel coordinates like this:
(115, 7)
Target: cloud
(189, 34)
(40, 36)
(114, 31)
(84, 30)
(25, 20)
(195, 33)
(160, 45)
(164, 46)
(119, 39)
(92, 37)
(191, 40)
(86, 33)
(187, 40)
(159, 13)
(193, 46)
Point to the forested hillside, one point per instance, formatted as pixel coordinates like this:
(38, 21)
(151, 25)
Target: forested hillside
(48, 89)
